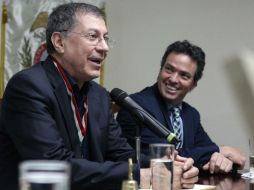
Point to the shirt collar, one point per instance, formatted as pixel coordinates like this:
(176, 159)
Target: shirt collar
(75, 87)
(170, 106)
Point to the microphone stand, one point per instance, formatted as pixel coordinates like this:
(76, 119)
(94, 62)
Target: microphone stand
(137, 141)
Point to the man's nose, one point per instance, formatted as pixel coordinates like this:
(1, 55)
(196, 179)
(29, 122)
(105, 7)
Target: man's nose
(103, 45)
(174, 77)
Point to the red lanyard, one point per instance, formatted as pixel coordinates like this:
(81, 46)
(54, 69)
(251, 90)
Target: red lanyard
(80, 123)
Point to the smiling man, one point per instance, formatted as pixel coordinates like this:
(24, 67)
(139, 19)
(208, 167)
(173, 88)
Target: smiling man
(54, 111)
(181, 67)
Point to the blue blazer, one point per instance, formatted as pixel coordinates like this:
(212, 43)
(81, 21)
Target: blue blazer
(196, 142)
(37, 123)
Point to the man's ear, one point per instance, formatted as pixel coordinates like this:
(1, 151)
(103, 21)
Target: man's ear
(158, 76)
(193, 86)
(57, 41)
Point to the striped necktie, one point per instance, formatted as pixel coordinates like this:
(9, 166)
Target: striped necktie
(176, 123)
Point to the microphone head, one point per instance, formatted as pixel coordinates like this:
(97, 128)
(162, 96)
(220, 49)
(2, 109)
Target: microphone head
(118, 95)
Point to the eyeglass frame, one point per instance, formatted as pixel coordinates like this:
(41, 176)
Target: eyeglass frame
(90, 37)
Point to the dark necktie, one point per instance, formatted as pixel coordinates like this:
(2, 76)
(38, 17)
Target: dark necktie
(176, 123)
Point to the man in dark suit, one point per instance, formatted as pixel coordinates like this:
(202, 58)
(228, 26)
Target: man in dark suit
(54, 111)
(182, 66)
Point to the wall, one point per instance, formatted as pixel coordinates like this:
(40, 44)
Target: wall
(224, 29)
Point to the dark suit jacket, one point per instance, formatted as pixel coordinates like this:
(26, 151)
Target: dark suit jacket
(37, 123)
(196, 143)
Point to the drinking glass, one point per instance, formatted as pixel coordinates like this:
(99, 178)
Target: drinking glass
(44, 175)
(161, 164)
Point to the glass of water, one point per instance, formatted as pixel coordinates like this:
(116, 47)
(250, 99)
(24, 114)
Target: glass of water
(161, 164)
(44, 175)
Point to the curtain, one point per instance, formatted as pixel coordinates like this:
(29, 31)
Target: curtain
(23, 34)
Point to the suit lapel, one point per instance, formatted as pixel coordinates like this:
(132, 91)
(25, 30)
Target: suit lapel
(188, 130)
(64, 105)
(93, 131)
(162, 113)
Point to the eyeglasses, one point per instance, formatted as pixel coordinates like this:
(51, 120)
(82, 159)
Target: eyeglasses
(93, 38)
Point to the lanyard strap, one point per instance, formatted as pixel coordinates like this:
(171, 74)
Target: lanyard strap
(80, 123)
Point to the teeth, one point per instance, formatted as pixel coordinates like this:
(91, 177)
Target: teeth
(171, 88)
(98, 61)
(96, 58)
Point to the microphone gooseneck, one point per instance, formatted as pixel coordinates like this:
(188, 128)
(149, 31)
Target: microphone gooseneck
(122, 99)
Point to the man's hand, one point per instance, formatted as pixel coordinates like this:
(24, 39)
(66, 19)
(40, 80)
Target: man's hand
(185, 174)
(218, 164)
(233, 154)
(145, 178)
(161, 178)
(189, 173)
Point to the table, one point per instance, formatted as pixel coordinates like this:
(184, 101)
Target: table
(230, 181)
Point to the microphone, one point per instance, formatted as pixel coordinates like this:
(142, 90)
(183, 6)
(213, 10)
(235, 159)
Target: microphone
(122, 99)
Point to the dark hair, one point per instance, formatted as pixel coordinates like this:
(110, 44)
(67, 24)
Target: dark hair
(185, 47)
(64, 17)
